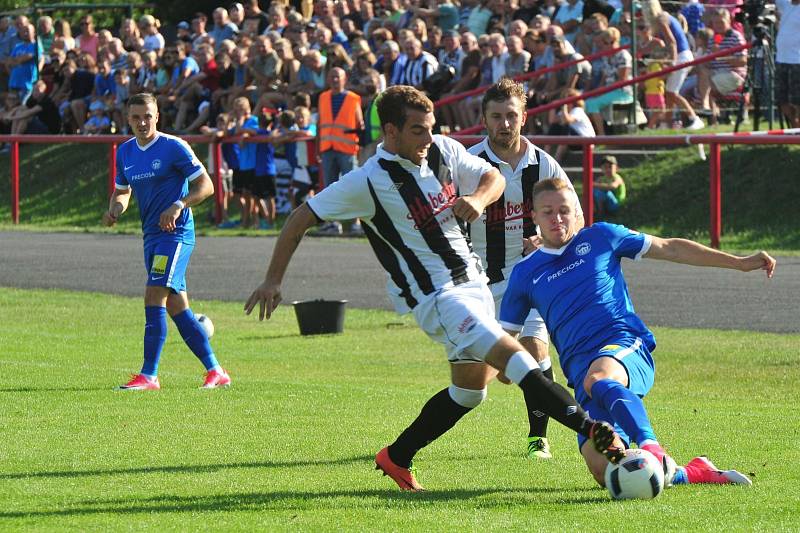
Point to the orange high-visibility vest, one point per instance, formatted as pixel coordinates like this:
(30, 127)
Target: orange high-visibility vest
(333, 131)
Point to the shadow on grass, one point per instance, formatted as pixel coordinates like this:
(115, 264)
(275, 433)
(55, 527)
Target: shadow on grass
(308, 500)
(54, 389)
(191, 469)
(268, 337)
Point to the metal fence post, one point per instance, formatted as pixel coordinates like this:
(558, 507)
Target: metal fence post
(588, 184)
(219, 192)
(715, 193)
(15, 182)
(112, 167)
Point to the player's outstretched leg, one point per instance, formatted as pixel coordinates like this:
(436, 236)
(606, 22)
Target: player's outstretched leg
(603, 383)
(155, 334)
(195, 337)
(439, 414)
(702, 470)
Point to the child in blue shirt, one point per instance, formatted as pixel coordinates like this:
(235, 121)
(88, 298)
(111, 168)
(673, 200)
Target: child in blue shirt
(265, 171)
(99, 121)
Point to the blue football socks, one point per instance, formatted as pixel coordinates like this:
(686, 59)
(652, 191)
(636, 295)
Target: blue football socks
(194, 335)
(680, 477)
(155, 334)
(626, 408)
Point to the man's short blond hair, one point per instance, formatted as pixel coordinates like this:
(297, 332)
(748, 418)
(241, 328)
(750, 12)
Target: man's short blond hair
(549, 185)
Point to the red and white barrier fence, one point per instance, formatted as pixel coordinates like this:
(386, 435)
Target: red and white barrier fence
(715, 142)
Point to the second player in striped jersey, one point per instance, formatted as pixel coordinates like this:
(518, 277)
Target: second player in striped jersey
(506, 232)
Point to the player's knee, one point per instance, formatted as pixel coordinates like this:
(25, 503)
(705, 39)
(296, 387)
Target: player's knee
(537, 346)
(469, 398)
(593, 377)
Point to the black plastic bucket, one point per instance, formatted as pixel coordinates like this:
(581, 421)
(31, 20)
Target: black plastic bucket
(316, 317)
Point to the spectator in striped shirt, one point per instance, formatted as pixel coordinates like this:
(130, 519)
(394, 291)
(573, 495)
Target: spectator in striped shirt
(725, 74)
(419, 66)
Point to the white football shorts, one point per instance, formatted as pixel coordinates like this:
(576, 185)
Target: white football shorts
(462, 320)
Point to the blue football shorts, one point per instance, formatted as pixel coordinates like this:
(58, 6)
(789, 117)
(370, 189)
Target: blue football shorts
(635, 357)
(166, 264)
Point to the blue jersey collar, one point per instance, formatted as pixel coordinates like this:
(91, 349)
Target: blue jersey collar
(559, 251)
(148, 145)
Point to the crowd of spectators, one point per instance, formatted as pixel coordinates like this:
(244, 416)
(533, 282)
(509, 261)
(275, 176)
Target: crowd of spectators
(279, 55)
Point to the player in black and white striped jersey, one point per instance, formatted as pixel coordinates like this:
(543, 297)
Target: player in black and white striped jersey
(505, 232)
(414, 198)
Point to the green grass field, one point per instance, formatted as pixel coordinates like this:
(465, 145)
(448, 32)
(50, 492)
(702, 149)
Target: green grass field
(290, 446)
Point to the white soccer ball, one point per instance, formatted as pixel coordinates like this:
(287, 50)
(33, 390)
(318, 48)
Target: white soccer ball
(638, 476)
(206, 323)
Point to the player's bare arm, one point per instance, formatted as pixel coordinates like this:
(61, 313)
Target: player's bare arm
(268, 294)
(116, 206)
(693, 253)
(199, 189)
(490, 187)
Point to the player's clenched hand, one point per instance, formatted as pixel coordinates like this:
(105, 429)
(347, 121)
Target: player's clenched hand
(531, 244)
(168, 217)
(761, 260)
(109, 219)
(468, 208)
(267, 296)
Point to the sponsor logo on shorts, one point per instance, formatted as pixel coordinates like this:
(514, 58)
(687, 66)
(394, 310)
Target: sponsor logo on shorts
(467, 324)
(610, 348)
(159, 265)
(583, 248)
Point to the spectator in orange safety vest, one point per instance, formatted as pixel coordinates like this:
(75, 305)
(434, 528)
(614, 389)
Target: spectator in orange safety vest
(340, 119)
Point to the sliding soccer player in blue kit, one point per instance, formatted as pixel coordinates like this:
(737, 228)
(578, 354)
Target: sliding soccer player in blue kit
(575, 281)
(167, 179)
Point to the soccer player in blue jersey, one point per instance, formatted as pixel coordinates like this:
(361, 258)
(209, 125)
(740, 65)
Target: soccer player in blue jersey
(167, 179)
(575, 282)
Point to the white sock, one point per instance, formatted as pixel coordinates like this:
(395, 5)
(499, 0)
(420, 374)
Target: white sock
(545, 364)
(519, 365)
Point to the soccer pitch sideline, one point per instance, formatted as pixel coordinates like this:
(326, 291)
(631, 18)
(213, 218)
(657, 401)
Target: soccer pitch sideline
(290, 445)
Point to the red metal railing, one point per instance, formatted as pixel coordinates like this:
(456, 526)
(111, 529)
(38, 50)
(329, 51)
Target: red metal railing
(113, 141)
(715, 143)
(528, 75)
(620, 84)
